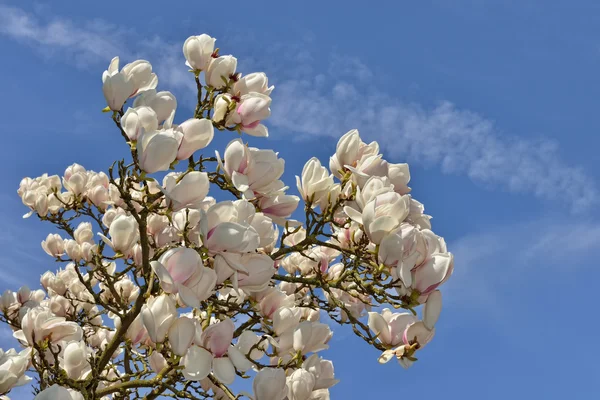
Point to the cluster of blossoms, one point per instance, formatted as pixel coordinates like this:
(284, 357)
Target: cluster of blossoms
(167, 291)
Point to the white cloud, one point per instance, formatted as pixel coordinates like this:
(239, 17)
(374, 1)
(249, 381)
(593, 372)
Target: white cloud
(86, 44)
(327, 103)
(488, 263)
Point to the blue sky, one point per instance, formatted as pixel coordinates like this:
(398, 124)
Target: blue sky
(493, 104)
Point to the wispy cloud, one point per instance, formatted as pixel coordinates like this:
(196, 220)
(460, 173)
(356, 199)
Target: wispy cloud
(21, 258)
(488, 263)
(92, 42)
(330, 101)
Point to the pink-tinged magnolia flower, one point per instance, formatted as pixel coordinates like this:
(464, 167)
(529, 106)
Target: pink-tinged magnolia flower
(211, 354)
(198, 51)
(136, 332)
(53, 245)
(181, 271)
(39, 324)
(349, 151)
(137, 120)
(75, 179)
(13, 366)
(267, 232)
(56, 392)
(225, 227)
(316, 183)
(307, 337)
(433, 273)
(141, 75)
(279, 208)
(117, 86)
(223, 107)
(186, 192)
(163, 103)
(158, 149)
(158, 314)
(417, 215)
(432, 309)
(220, 70)
(389, 327)
(322, 370)
(252, 109)
(367, 167)
(254, 82)
(75, 360)
(124, 234)
(157, 362)
(217, 337)
(272, 299)
(399, 176)
(300, 384)
(197, 134)
(270, 384)
(260, 269)
(286, 319)
(84, 233)
(181, 335)
(251, 170)
(382, 215)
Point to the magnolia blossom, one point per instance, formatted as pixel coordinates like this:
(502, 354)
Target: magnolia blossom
(182, 292)
(158, 149)
(137, 120)
(210, 354)
(56, 392)
(316, 182)
(187, 191)
(270, 384)
(253, 108)
(253, 171)
(157, 315)
(382, 215)
(254, 82)
(118, 86)
(300, 384)
(75, 360)
(181, 271)
(163, 103)
(39, 324)
(12, 369)
(220, 70)
(198, 51)
(124, 234)
(197, 134)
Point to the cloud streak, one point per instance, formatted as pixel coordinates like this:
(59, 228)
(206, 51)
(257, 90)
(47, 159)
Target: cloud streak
(339, 98)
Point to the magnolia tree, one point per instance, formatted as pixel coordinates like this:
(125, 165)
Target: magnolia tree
(165, 291)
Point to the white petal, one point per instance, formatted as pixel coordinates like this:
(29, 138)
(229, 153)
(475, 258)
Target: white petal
(223, 370)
